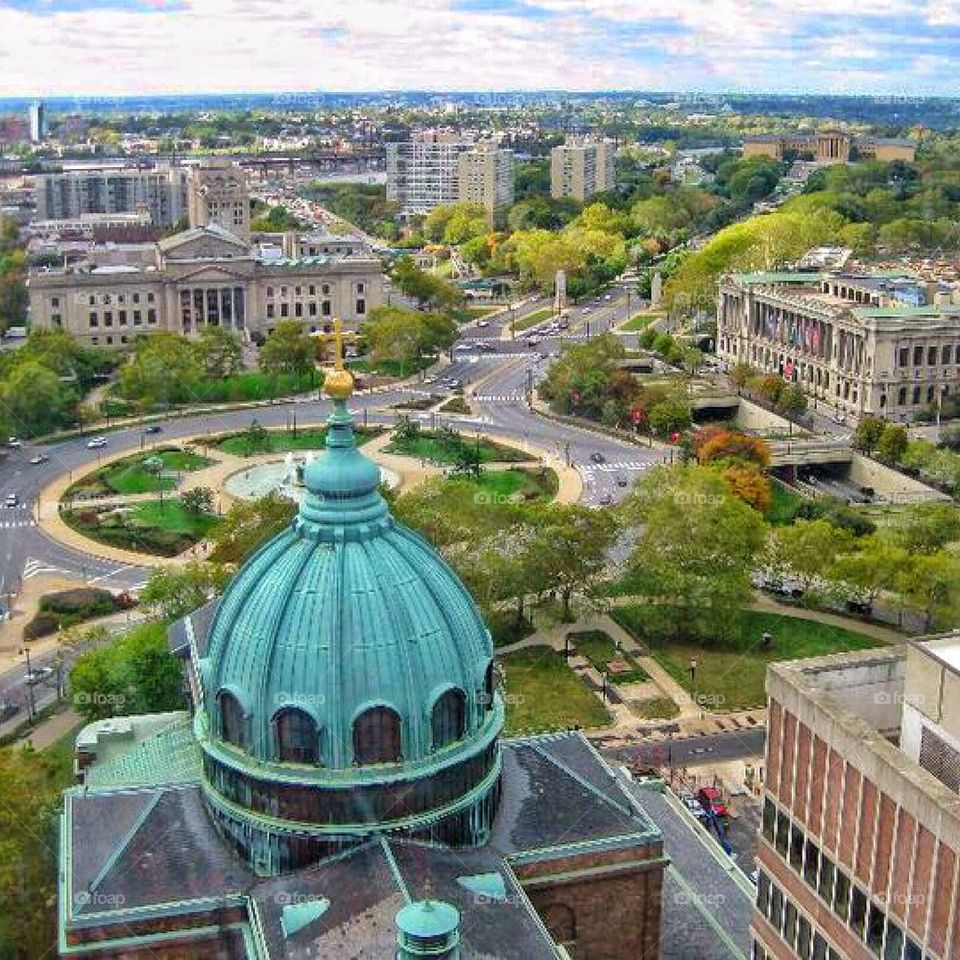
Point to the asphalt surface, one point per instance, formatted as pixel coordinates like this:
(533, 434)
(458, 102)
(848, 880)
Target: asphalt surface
(694, 751)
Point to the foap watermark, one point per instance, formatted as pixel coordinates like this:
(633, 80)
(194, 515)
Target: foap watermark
(683, 498)
(97, 899)
(97, 698)
(501, 900)
(494, 499)
(702, 701)
(289, 898)
(509, 699)
(295, 698)
(898, 698)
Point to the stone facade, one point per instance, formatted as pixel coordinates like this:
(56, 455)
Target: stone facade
(831, 146)
(485, 177)
(217, 194)
(202, 277)
(857, 344)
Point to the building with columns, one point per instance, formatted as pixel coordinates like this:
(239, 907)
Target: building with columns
(860, 838)
(856, 344)
(830, 146)
(203, 277)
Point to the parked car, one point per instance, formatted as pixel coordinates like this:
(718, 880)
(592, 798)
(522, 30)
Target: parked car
(693, 805)
(14, 443)
(96, 442)
(598, 458)
(153, 428)
(605, 500)
(39, 458)
(12, 500)
(711, 799)
(33, 677)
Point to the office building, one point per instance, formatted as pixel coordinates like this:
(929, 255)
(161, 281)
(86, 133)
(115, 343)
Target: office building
(579, 169)
(830, 146)
(423, 172)
(485, 175)
(162, 192)
(340, 787)
(202, 277)
(218, 195)
(860, 840)
(38, 121)
(857, 344)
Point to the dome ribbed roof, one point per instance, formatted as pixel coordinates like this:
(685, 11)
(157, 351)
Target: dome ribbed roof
(344, 610)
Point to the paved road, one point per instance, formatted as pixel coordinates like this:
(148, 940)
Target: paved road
(692, 751)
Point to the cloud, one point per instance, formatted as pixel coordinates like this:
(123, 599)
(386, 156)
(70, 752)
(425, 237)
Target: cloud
(110, 47)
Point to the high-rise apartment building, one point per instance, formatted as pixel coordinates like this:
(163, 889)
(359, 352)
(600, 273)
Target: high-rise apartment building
(217, 194)
(423, 172)
(38, 122)
(579, 169)
(485, 175)
(858, 856)
(76, 194)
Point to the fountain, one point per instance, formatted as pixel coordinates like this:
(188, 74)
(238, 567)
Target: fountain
(284, 477)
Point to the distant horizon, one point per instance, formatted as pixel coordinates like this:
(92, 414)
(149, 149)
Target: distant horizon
(130, 48)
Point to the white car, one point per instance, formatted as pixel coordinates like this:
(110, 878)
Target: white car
(12, 500)
(14, 443)
(96, 442)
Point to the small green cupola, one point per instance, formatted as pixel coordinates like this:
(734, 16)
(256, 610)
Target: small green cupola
(428, 928)
(348, 681)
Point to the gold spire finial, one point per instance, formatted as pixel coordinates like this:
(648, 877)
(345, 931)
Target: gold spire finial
(339, 384)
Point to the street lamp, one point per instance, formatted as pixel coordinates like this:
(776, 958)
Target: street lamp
(693, 678)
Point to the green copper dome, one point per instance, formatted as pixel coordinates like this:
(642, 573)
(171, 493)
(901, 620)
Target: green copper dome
(348, 682)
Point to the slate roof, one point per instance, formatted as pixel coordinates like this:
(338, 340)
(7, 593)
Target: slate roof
(155, 849)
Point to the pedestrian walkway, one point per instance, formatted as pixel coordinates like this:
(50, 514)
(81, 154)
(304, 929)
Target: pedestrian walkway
(619, 465)
(513, 398)
(47, 733)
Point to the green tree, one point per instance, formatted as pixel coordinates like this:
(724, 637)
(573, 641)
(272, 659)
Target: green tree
(868, 433)
(930, 584)
(875, 567)
(32, 400)
(197, 499)
(288, 349)
(808, 549)
(925, 527)
(172, 592)
(135, 674)
(892, 443)
(695, 551)
(248, 524)
(164, 369)
(221, 352)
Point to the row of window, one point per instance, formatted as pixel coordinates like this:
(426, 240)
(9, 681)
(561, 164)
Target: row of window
(935, 356)
(311, 290)
(851, 904)
(135, 315)
(105, 299)
(311, 309)
(791, 925)
(377, 732)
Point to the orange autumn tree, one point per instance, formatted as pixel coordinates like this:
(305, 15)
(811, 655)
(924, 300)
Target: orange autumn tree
(742, 460)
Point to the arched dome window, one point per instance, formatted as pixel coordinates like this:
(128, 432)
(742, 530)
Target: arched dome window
(231, 719)
(295, 736)
(449, 718)
(376, 736)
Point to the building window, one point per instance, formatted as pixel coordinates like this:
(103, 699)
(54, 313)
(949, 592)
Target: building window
(858, 912)
(376, 736)
(825, 886)
(57, 319)
(284, 310)
(902, 396)
(312, 308)
(136, 298)
(298, 309)
(231, 719)
(361, 307)
(918, 356)
(841, 896)
(54, 301)
(94, 320)
(903, 357)
(295, 734)
(776, 908)
(122, 318)
(325, 308)
(796, 848)
(151, 316)
(325, 289)
(361, 287)
(782, 842)
(269, 291)
(149, 298)
(790, 923)
(769, 819)
(931, 356)
(811, 863)
(313, 290)
(269, 311)
(137, 318)
(449, 718)
(108, 319)
(945, 354)
(803, 937)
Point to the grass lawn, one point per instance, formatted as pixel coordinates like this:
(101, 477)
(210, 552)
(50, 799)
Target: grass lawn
(145, 527)
(428, 446)
(730, 673)
(541, 483)
(598, 647)
(130, 476)
(456, 405)
(659, 708)
(783, 504)
(280, 441)
(638, 322)
(532, 319)
(544, 694)
(466, 314)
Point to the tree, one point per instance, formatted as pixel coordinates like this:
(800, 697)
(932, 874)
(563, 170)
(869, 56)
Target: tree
(135, 674)
(695, 551)
(403, 336)
(893, 443)
(719, 443)
(925, 527)
(930, 584)
(673, 414)
(221, 352)
(197, 500)
(248, 524)
(574, 543)
(749, 483)
(809, 548)
(430, 291)
(868, 433)
(172, 592)
(32, 399)
(164, 369)
(287, 349)
(873, 568)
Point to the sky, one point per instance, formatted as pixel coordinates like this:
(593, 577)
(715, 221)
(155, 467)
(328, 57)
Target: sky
(116, 47)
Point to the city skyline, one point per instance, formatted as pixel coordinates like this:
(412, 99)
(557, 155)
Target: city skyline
(128, 47)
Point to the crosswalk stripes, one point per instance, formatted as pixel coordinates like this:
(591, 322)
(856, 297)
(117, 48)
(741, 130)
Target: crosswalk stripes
(500, 397)
(9, 524)
(33, 568)
(610, 467)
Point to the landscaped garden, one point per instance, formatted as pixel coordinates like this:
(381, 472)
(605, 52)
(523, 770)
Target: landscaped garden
(598, 647)
(532, 319)
(544, 694)
(730, 673)
(65, 608)
(140, 473)
(162, 528)
(445, 446)
(638, 322)
(257, 440)
(517, 484)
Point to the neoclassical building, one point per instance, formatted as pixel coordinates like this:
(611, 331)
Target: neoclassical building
(830, 146)
(340, 787)
(205, 276)
(858, 344)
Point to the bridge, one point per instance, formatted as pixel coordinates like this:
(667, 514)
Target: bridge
(805, 453)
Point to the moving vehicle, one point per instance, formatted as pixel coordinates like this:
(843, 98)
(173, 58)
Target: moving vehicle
(598, 458)
(12, 500)
(96, 442)
(153, 428)
(14, 443)
(39, 458)
(711, 799)
(33, 677)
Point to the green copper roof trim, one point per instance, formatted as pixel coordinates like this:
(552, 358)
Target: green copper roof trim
(358, 831)
(297, 916)
(383, 773)
(254, 950)
(622, 841)
(490, 885)
(395, 869)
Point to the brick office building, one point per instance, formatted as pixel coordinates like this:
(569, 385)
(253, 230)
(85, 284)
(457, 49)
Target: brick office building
(861, 820)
